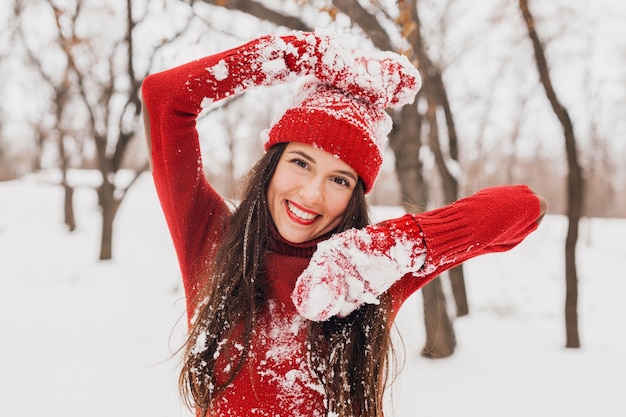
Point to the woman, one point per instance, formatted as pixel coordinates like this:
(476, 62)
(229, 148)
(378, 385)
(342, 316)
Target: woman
(291, 297)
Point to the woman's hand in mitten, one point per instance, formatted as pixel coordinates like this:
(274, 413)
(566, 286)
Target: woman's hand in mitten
(356, 266)
(384, 79)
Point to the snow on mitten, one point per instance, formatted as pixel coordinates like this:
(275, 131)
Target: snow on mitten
(383, 78)
(356, 266)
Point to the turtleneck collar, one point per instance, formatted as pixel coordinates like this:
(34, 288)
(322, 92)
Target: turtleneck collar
(278, 244)
(284, 262)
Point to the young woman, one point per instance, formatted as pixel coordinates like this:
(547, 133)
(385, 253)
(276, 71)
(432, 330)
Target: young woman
(291, 297)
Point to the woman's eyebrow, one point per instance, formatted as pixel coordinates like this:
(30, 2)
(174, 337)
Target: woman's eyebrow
(312, 160)
(304, 155)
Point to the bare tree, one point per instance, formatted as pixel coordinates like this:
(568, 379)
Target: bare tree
(437, 97)
(98, 77)
(7, 33)
(102, 117)
(58, 81)
(574, 180)
(108, 85)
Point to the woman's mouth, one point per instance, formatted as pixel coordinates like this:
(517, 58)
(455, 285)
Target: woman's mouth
(299, 214)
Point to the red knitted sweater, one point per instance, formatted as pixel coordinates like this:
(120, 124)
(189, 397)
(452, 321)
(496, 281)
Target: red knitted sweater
(277, 380)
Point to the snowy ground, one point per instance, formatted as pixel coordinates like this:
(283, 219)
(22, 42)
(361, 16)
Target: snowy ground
(82, 337)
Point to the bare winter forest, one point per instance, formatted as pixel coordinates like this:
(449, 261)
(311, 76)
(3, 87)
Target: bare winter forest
(515, 91)
(70, 73)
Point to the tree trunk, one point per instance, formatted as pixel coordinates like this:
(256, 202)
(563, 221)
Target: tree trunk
(440, 338)
(457, 283)
(68, 190)
(68, 207)
(450, 191)
(405, 141)
(436, 94)
(574, 182)
(109, 205)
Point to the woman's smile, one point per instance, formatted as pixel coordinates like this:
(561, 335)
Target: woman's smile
(300, 214)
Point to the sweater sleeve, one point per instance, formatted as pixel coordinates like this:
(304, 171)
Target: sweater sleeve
(196, 215)
(401, 255)
(493, 220)
(173, 99)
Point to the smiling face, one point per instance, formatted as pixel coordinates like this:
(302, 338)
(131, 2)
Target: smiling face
(309, 192)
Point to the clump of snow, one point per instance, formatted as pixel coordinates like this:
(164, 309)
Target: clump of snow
(219, 71)
(274, 66)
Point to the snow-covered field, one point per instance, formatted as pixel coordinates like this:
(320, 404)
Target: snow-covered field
(82, 337)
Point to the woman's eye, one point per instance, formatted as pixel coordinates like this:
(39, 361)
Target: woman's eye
(341, 181)
(300, 163)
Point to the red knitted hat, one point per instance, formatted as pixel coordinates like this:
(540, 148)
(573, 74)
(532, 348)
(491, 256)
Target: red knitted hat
(343, 111)
(328, 119)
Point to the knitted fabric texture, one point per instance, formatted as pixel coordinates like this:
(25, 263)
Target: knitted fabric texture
(330, 120)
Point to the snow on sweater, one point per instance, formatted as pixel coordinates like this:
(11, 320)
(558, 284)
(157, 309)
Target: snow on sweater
(276, 379)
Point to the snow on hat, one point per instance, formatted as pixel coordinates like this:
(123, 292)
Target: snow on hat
(344, 112)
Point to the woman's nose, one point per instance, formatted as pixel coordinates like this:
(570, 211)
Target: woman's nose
(311, 192)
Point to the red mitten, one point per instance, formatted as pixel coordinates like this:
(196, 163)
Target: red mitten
(384, 79)
(356, 266)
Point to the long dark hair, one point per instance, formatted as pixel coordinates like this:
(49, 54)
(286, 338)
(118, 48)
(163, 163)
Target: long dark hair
(345, 352)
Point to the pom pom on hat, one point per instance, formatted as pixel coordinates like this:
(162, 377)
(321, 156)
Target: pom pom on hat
(343, 112)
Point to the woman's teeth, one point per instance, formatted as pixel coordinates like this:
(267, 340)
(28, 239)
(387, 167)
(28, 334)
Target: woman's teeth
(299, 213)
